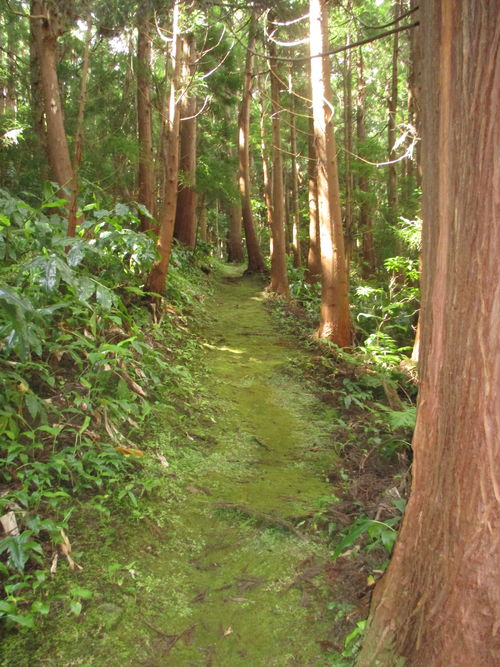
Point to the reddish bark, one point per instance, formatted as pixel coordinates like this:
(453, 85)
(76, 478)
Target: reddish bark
(279, 277)
(146, 172)
(255, 258)
(185, 217)
(157, 277)
(438, 603)
(335, 321)
(45, 32)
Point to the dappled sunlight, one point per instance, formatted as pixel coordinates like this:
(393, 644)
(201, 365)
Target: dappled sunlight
(222, 349)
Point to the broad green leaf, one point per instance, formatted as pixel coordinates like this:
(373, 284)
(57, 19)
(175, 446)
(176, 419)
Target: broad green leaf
(83, 593)
(104, 296)
(75, 607)
(75, 255)
(25, 620)
(39, 607)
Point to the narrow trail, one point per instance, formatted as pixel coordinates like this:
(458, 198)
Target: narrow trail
(226, 577)
(257, 588)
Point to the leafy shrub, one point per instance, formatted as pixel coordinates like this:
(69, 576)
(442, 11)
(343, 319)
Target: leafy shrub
(79, 375)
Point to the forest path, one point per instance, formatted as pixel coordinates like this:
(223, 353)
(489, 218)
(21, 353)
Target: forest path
(256, 586)
(220, 574)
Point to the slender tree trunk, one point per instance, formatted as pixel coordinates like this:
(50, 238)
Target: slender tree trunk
(313, 273)
(255, 259)
(365, 215)
(157, 277)
(80, 127)
(185, 219)
(37, 108)
(294, 189)
(202, 231)
(45, 33)
(10, 91)
(438, 603)
(414, 95)
(234, 247)
(348, 144)
(392, 174)
(279, 277)
(146, 171)
(264, 156)
(335, 322)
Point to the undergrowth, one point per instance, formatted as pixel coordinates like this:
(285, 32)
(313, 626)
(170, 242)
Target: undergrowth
(371, 391)
(85, 360)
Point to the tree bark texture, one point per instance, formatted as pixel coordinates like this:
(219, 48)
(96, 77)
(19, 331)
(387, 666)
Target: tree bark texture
(392, 174)
(185, 218)
(348, 144)
(365, 215)
(146, 171)
(313, 272)
(438, 603)
(80, 130)
(294, 189)
(255, 258)
(234, 247)
(279, 276)
(157, 277)
(335, 322)
(266, 179)
(45, 32)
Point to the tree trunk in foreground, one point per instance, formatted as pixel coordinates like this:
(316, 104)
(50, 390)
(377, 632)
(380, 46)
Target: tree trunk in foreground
(279, 277)
(438, 603)
(255, 259)
(45, 33)
(335, 322)
(146, 173)
(185, 218)
(157, 277)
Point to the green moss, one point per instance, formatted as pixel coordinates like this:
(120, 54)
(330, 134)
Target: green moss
(195, 583)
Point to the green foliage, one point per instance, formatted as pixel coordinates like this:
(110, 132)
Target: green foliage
(81, 368)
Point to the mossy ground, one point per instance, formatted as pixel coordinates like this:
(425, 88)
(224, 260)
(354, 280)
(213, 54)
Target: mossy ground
(216, 572)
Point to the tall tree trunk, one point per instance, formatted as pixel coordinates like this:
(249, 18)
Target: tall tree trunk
(146, 171)
(294, 189)
(438, 602)
(10, 91)
(185, 219)
(264, 156)
(313, 273)
(335, 322)
(234, 247)
(392, 174)
(348, 145)
(45, 32)
(202, 231)
(37, 108)
(365, 215)
(279, 277)
(414, 94)
(80, 126)
(157, 277)
(255, 259)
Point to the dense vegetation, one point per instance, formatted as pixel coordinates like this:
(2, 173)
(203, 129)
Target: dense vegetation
(144, 144)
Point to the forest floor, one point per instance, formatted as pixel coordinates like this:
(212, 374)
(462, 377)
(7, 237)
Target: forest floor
(226, 567)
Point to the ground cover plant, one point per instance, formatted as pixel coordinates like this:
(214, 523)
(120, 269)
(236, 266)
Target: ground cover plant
(85, 358)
